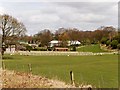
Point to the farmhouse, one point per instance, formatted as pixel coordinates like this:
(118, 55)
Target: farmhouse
(73, 43)
(54, 43)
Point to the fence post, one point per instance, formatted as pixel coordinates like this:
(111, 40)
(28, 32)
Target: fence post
(3, 66)
(30, 68)
(72, 78)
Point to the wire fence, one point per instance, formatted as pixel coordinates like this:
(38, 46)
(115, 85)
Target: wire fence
(56, 53)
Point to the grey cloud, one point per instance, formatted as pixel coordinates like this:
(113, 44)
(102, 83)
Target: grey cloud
(52, 15)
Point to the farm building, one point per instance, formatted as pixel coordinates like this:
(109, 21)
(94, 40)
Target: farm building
(61, 49)
(54, 43)
(11, 48)
(73, 43)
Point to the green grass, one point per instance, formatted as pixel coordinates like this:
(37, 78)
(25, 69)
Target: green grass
(90, 48)
(99, 71)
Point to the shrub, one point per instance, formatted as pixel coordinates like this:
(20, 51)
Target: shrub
(49, 49)
(36, 49)
(73, 48)
(114, 44)
(108, 42)
(43, 49)
(40, 49)
(29, 48)
(118, 46)
(103, 40)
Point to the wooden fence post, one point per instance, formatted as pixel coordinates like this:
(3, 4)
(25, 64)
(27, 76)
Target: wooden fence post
(72, 78)
(3, 65)
(30, 68)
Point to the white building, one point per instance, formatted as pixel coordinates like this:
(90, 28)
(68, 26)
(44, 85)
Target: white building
(54, 43)
(73, 43)
(11, 49)
(57, 43)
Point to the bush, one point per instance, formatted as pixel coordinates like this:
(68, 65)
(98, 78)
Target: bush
(117, 37)
(114, 44)
(118, 46)
(103, 40)
(40, 49)
(108, 42)
(73, 48)
(29, 48)
(49, 49)
(43, 49)
(36, 49)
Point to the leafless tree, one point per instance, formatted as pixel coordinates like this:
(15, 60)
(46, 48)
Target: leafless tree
(10, 27)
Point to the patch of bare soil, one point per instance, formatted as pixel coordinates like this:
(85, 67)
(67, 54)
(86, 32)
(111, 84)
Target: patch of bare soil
(12, 79)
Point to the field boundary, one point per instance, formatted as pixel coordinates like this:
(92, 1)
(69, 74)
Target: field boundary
(56, 53)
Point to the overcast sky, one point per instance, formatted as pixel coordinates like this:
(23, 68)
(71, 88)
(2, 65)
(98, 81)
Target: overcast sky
(38, 16)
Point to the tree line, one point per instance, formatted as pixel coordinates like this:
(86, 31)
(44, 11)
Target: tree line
(71, 34)
(13, 31)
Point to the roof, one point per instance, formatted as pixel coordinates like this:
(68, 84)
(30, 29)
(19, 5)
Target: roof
(60, 48)
(74, 42)
(69, 42)
(54, 41)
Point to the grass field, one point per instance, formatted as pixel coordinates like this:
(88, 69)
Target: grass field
(99, 71)
(90, 48)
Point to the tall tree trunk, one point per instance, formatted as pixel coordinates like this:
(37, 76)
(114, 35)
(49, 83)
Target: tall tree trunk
(3, 36)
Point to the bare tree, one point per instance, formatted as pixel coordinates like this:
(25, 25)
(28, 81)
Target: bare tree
(44, 37)
(10, 27)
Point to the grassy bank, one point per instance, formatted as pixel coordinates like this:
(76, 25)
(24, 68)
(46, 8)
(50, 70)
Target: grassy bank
(90, 48)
